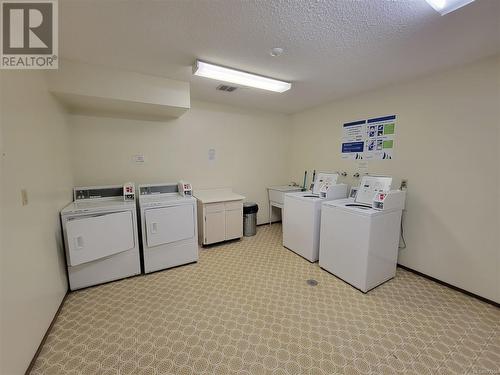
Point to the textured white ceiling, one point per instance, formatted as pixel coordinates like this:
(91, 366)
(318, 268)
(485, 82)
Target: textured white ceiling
(332, 48)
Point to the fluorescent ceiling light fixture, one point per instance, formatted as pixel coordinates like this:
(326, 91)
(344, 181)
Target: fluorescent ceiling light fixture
(220, 73)
(447, 6)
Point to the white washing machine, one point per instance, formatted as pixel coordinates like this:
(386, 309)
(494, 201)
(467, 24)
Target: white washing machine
(100, 235)
(302, 215)
(168, 226)
(358, 243)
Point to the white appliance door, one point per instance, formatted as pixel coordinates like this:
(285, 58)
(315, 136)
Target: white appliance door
(169, 224)
(95, 237)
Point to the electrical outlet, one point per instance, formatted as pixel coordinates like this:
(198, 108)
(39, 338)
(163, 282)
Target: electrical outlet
(404, 184)
(24, 197)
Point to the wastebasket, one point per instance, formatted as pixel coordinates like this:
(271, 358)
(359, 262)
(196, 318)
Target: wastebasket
(250, 218)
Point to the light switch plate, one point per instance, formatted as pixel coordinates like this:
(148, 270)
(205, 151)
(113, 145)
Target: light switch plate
(24, 197)
(139, 159)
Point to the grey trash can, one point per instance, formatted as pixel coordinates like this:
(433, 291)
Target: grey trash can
(250, 218)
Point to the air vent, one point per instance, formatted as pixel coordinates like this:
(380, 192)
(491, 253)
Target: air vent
(226, 88)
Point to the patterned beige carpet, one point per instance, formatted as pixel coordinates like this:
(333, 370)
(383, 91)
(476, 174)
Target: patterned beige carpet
(245, 308)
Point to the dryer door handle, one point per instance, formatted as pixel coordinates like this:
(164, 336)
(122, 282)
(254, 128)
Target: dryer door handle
(79, 243)
(154, 228)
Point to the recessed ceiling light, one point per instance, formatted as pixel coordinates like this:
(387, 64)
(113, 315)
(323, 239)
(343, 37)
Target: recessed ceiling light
(221, 73)
(447, 6)
(276, 51)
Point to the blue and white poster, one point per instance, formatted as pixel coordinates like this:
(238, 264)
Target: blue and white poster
(371, 139)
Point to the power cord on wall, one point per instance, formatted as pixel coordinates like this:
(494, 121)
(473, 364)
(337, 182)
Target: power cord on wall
(402, 234)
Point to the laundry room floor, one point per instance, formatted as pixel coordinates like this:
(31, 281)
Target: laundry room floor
(246, 308)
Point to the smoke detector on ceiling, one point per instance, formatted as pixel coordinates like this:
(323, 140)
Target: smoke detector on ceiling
(276, 51)
(226, 88)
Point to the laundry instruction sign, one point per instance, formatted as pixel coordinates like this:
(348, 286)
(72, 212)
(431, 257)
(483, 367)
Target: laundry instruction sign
(371, 139)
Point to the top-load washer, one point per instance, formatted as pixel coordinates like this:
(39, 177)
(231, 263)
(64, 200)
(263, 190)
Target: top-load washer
(302, 215)
(360, 236)
(100, 235)
(168, 225)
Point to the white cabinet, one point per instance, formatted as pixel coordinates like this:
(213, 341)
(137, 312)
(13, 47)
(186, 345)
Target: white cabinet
(234, 223)
(215, 227)
(220, 216)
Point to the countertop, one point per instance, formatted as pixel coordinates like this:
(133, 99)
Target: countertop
(217, 195)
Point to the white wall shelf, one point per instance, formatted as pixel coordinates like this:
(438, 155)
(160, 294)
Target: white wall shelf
(100, 91)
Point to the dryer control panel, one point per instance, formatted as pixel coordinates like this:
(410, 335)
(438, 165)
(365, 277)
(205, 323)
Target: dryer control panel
(97, 192)
(129, 191)
(185, 189)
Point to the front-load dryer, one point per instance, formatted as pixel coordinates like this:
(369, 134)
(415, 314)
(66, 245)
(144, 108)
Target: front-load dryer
(100, 235)
(302, 216)
(168, 226)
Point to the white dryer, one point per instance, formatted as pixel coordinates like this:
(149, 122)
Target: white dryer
(360, 236)
(302, 215)
(168, 226)
(100, 235)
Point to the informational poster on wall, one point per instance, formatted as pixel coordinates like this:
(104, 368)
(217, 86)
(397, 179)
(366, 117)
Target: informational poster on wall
(371, 139)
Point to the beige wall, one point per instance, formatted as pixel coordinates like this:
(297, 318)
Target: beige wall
(447, 146)
(251, 150)
(33, 276)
